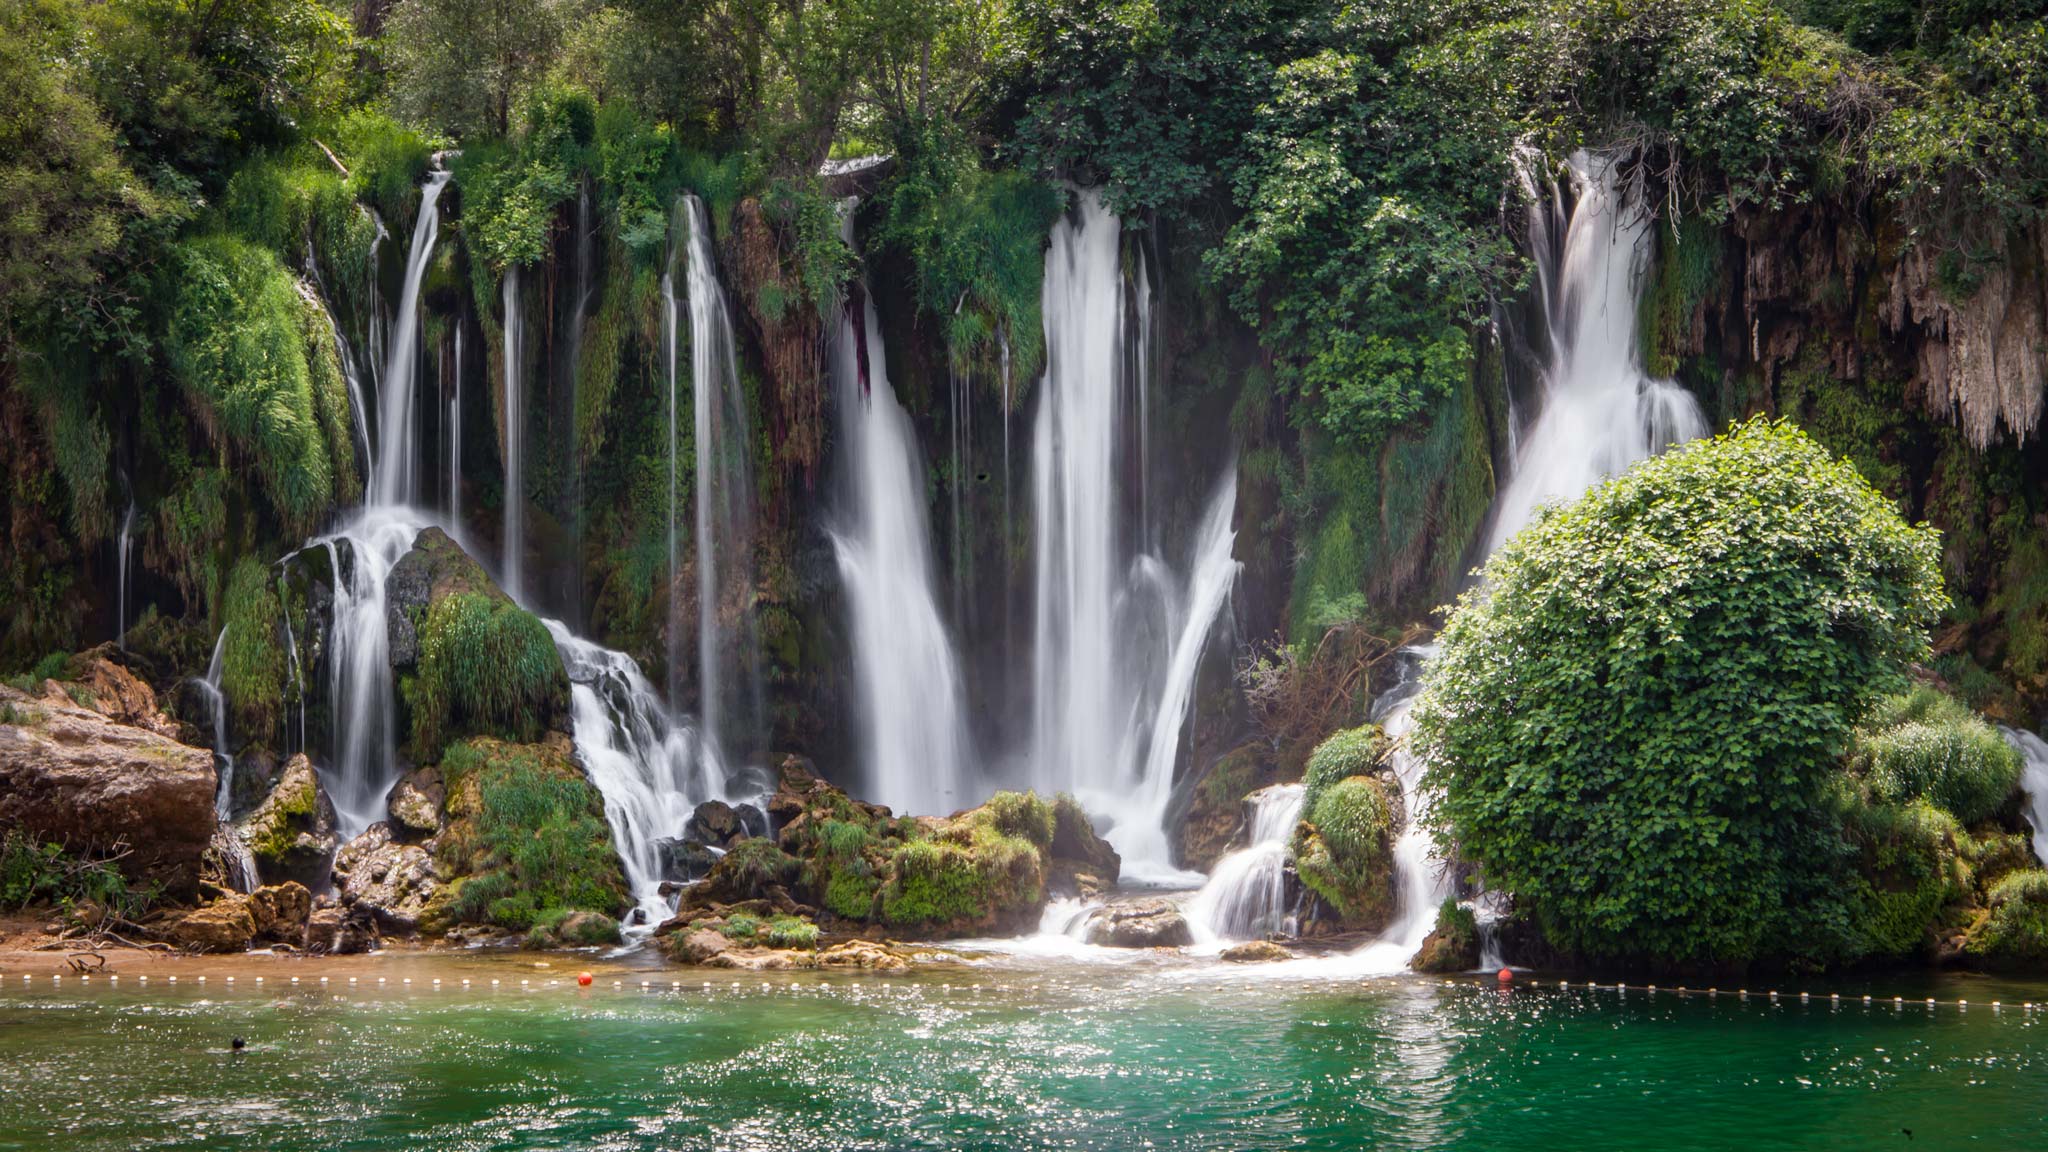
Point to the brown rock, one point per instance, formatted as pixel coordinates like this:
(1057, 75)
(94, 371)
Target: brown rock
(292, 834)
(698, 945)
(116, 693)
(280, 912)
(338, 931)
(1150, 923)
(389, 882)
(226, 925)
(70, 775)
(1256, 952)
(862, 954)
(416, 803)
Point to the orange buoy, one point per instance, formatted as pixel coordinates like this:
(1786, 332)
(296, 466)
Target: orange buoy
(584, 980)
(1506, 974)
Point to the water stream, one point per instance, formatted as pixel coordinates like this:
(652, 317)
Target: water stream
(1246, 896)
(513, 540)
(2034, 782)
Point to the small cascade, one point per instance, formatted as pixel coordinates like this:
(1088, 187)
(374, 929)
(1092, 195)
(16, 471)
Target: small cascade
(1246, 896)
(1420, 879)
(1119, 637)
(237, 863)
(217, 701)
(2034, 782)
(1601, 412)
(123, 549)
(723, 482)
(909, 677)
(514, 538)
(365, 761)
(350, 373)
(651, 771)
(455, 437)
(393, 481)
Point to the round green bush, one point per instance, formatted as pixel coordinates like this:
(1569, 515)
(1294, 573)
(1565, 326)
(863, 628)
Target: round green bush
(2016, 933)
(1352, 752)
(1635, 722)
(1923, 743)
(1342, 850)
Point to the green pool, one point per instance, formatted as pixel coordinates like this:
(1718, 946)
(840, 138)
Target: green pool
(1017, 1054)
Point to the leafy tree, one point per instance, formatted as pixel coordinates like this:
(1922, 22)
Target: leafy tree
(1634, 724)
(459, 65)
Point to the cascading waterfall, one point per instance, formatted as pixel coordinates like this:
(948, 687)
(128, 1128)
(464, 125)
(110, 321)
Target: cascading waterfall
(723, 481)
(455, 437)
(237, 864)
(1601, 411)
(651, 771)
(1421, 882)
(393, 480)
(1118, 640)
(514, 539)
(1246, 896)
(910, 689)
(2034, 782)
(123, 545)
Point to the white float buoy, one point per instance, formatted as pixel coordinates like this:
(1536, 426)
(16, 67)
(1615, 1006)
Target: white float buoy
(295, 979)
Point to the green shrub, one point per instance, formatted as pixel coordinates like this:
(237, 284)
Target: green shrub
(253, 664)
(975, 878)
(1020, 814)
(1352, 752)
(1453, 946)
(1342, 850)
(33, 872)
(1924, 743)
(749, 868)
(487, 666)
(2016, 933)
(1634, 724)
(572, 928)
(527, 833)
(1908, 873)
(790, 932)
(744, 926)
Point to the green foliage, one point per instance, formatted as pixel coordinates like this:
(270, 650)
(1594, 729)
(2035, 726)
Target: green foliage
(976, 876)
(487, 666)
(526, 834)
(749, 869)
(61, 386)
(239, 339)
(1023, 815)
(784, 931)
(2015, 935)
(1453, 945)
(1924, 743)
(460, 64)
(1352, 752)
(511, 190)
(36, 873)
(572, 928)
(811, 222)
(1907, 873)
(1634, 724)
(253, 663)
(1342, 850)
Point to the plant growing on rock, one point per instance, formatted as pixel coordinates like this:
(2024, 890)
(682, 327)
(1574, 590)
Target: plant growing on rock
(1343, 853)
(526, 835)
(486, 666)
(1925, 743)
(1635, 723)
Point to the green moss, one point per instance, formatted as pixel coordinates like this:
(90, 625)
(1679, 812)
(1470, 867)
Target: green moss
(790, 932)
(742, 926)
(253, 663)
(486, 666)
(749, 869)
(2015, 934)
(1908, 874)
(1924, 743)
(572, 928)
(238, 344)
(1020, 814)
(527, 832)
(1342, 851)
(1453, 946)
(969, 880)
(1352, 752)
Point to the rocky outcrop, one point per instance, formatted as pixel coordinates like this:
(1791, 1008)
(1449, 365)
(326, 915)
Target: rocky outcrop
(387, 882)
(235, 922)
(70, 775)
(1256, 952)
(415, 805)
(99, 679)
(337, 930)
(435, 568)
(1453, 945)
(292, 834)
(1150, 923)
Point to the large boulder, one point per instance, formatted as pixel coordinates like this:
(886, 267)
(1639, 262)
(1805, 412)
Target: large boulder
(70, 775)
(415, 804)
(390, 883)
(276, 914)
(434, 568)
(1148, 923)
(100, 679)
(292, 834)
(1215, 814)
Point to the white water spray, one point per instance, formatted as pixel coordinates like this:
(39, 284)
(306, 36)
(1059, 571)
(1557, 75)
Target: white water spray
(915, 740)
(1246, 896)
(513, 541)
(1601, 412)
(2034, 782)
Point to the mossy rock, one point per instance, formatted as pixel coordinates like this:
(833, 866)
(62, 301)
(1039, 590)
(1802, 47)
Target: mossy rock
(1908, 873)
(1352, 752)
(1215, 810)
(2014, 935)
(291, 834)
(524, 835)
(572, 928)
(487, 668)
(1343, 851)
(1453, 945)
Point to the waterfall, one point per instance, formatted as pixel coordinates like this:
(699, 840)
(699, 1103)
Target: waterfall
(217, 701)
(723, 479)
(455, 437)
(1246, 896)
(393, 480)
(1421, 882)
(2034, 782)
(123, 544)
(651, 771)
(1601, 412)
(514, 540)
(365, 762)
(905, 667)
(1118, 638)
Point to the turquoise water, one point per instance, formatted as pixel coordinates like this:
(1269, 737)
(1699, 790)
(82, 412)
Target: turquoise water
(1137, 1057)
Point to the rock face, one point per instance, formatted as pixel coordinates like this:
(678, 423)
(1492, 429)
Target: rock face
(416, 804)
(111, 690)
(1256, 952)
(291, 835)
(1216, 807)
(435, 567)
(70, 775)
(272, 915)
(1453, 945)
(386, 882)
(1148, 923)
(335, 930)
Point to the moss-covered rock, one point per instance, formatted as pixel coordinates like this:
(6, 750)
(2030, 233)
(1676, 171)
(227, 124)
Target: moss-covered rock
(572, 928)
(524, 835)
(1453, 945)
(254, 665)
(2014, 935)
(291, 834)
(1215, 810)
(1907, 873)
(1352, 752)
(1343, 851)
